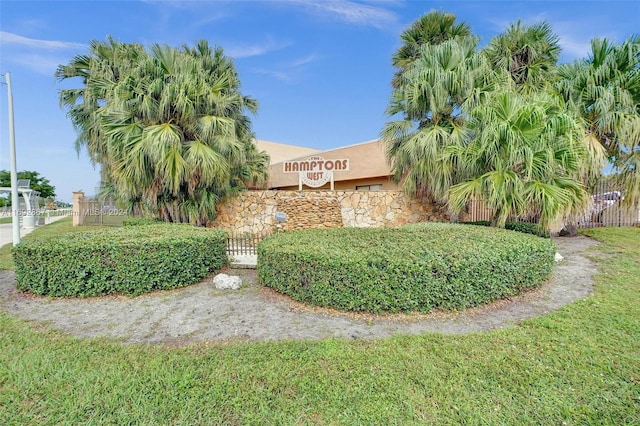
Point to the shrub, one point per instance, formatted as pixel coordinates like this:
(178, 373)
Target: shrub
(411, 268)
(524, 227)
(141, 221)
(129, 260)
(528, 228)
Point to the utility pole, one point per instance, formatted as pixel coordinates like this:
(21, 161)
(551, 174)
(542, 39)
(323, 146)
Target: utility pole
(14, 171)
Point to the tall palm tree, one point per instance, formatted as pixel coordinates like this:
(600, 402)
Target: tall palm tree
(432, 28)
(485, 125)
(171, 130)
(528, 52)
(526, 157)
(605, 91)
(104, 64)
(432, 95)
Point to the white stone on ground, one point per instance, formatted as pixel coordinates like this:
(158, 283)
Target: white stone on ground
(224, 282)
(558, 257)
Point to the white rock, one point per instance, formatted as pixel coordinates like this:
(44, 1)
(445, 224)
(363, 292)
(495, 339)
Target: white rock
(558, 257)
(224, 282)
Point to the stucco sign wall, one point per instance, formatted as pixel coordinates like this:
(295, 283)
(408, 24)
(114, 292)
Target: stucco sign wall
(315, 171)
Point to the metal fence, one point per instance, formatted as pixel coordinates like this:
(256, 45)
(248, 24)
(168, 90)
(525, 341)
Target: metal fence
(243, 244)
(606, 207)
(94, 212)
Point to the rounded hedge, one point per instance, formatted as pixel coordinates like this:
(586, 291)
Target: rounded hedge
(131, 260)
(524, 227)
(411, 268)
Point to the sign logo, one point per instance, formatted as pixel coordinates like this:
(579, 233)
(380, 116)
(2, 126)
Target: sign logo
(315, 171)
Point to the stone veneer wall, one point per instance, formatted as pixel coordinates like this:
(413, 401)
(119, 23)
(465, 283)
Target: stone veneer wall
(254, 211)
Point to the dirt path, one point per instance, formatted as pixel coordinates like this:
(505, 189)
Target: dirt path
(201, 313)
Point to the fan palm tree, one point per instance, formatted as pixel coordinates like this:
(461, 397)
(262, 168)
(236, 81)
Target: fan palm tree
(171, 130)
(528, 52)
(432, 95)
(605, 92)
(525, 157)
(104, 64)
(432, 28)
(485, 125)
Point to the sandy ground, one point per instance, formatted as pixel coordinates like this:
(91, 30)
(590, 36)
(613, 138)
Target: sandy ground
(201, 313)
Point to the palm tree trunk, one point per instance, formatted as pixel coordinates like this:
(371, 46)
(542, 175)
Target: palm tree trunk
(499, 219)
(570, 228)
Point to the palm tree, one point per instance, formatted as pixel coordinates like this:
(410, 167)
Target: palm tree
(170, 128)
(485, 125)
(605, 92)
(525, 157)
(105, 63)
(528, 53)
(432, 28)
(432, 95)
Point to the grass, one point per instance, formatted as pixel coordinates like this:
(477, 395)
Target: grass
(579, 365)
(59, 227)
(9, 219)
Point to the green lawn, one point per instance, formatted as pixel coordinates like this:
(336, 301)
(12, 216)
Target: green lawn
(580, 365)
(9, 219)
(58, 227)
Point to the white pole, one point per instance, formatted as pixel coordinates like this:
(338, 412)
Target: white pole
(14, 171)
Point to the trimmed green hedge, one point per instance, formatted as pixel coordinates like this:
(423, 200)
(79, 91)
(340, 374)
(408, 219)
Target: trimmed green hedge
(131, 260)
(411, 268)
(524, 227)
(141, 221)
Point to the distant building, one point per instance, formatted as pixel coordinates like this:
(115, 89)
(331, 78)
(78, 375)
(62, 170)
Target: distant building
(293, 166)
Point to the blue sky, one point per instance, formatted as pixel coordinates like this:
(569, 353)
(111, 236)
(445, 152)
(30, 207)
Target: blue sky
(320, 70)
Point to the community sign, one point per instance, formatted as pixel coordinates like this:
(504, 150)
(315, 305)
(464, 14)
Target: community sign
(315, 171)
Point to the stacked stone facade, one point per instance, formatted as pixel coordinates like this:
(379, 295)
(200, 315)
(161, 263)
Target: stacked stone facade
(254, 212)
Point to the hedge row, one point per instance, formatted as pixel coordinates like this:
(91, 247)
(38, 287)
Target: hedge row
(131, 260)
(141, 221)
(524, 227)
(412, 268)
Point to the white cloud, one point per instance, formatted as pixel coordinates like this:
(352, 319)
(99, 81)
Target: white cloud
(258, 49)
(38, 55)
(30, 25)
(278, 75)
(177, 4)
(575, 37)
(350, 12)
(201, 12)
(389, 2)
(41, 64)
(305, 60)
(11, 38)
(289, 71)
(210, 18)
(572, 48)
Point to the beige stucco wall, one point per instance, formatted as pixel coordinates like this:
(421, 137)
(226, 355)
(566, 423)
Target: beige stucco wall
(254, 211)
(350, 185)
(366, 161)
(279, 152)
